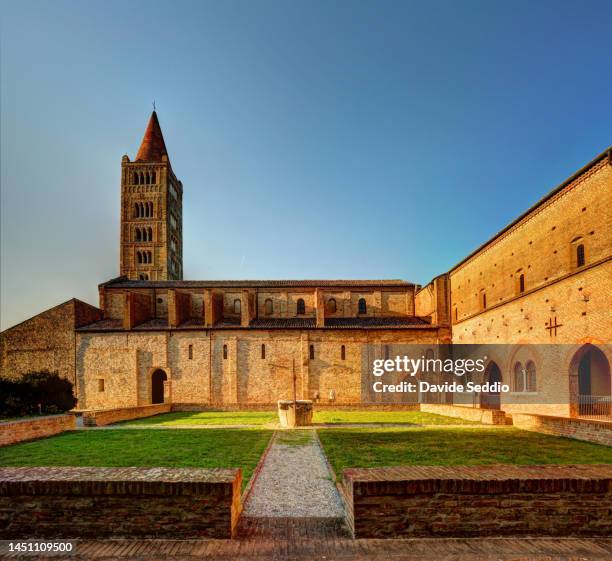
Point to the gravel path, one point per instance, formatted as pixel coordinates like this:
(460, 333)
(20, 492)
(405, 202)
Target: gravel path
(294, 481)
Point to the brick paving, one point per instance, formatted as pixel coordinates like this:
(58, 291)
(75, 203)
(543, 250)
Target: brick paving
(339, 549)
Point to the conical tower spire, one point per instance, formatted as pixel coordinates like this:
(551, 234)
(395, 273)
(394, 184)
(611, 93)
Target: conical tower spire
(152, 147)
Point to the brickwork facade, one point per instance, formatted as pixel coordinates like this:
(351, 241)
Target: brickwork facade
(46, 341)
(546, 280)
(151, 212)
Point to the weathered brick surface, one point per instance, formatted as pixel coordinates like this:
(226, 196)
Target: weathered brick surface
(119, 502)
(599, 432)
(202, 375)
(46, 341)
(12, 432)
(480, 501)
(542, 247)
(485, 416)
(109, 416)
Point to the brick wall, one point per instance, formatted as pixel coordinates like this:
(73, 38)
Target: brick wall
(109, 416)
(599, 432)
(12, 432)
(119, 502)
(486, 416)
(126, 361)
(480, 501)
(542, 248)
(45, 341)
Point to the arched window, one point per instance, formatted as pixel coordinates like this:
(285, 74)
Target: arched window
(135, 179)
(141, 210)
(224, 352)
(237, 306)
(522, 283)
(148, 178)
(331, 306)
(531, 382)
(141, 178)
(143, 276)
(580, 260)
(301, 307)
(153, 180)
(138, 257)
(137, 235)
(150, 209)
(311, 352)
(362, 306)
(263, 351)
(136, 210)
(150, 234)
(342, 352)
(519, 377)
(268, 306)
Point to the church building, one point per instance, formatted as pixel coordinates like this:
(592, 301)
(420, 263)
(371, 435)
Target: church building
(154, 337)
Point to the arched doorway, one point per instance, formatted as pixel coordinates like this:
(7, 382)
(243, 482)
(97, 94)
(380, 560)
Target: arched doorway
(594, 386)
(157, 386)
(491, 400)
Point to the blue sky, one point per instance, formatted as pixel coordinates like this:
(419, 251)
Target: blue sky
(344, 139)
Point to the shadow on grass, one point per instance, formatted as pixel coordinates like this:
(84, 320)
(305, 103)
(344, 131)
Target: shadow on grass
(448, 446)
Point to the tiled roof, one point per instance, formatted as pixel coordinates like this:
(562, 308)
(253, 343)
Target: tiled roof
(152, 147)
(270, 323)
(373, 322)
(123, 282)
(284, 323)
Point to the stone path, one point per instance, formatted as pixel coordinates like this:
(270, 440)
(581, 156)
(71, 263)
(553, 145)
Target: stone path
(293, 488)
(296, 548)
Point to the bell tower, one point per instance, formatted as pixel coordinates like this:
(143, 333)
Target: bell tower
(151, 212)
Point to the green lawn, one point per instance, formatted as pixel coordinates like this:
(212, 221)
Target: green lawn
(368, 416)
(144, 448)
(208, 418)
(346, 448)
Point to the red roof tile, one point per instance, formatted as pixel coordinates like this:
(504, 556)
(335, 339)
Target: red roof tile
(152, 147)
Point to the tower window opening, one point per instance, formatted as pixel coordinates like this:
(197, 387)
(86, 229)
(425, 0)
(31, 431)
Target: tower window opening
(237, 306)
(224, 352)
(190, 352)
(263, 351)
(311, 352)
(343, 352)
(522, 283)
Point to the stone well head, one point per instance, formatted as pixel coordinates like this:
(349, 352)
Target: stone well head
(295, 413)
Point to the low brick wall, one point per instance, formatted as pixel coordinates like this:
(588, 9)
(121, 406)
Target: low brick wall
(12, 432)
(501, 500)
(599, 432)
(108, 416)
(485, 416)
(119, 502)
